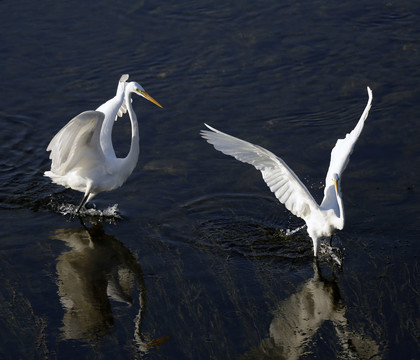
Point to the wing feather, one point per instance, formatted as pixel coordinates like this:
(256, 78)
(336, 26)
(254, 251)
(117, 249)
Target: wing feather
(340, 156)
(281, 180)
(66, 145)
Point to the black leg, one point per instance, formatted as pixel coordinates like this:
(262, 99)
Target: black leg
(82, 203)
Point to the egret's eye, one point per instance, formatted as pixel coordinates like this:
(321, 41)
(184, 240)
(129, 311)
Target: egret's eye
(82, 152)
(287, 187)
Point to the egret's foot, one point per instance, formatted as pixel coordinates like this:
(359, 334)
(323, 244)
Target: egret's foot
(333, 253)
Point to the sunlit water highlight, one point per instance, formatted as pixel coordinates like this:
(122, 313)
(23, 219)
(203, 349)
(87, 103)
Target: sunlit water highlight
(226, 274)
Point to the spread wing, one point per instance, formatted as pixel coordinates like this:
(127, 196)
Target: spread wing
(68, 145)
(342, 150)
(281, 180)
(123, 108)
(116, 106)
(340, 154)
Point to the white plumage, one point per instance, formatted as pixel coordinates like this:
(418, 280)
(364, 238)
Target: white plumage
(82, 155)
(321, 220)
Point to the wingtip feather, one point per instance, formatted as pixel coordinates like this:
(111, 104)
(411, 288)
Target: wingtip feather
(369, 93)
(211, 128)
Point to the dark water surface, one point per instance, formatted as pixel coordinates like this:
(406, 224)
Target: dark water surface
(198, 267)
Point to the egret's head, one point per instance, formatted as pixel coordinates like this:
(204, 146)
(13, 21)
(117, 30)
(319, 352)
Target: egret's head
(138, 89)
(335, 180)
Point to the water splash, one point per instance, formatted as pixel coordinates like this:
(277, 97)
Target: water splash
(110, 212)
(289, 232)
(331, 252)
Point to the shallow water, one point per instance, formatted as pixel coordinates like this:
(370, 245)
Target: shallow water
(198, 263)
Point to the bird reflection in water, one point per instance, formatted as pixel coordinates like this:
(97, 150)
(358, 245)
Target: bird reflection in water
(96, 268)
(297, 320)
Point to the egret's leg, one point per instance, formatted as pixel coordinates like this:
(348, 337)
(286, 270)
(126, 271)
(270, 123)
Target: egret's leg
(83, 202)
(331, 237)
(87, 197)
(316, 243)
(90, 197)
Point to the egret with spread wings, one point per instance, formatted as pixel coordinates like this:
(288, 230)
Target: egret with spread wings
(321, 220)
(82, 155)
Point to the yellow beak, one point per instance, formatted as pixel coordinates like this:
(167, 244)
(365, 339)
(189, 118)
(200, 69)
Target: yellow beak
(336, 185)
(148, 97)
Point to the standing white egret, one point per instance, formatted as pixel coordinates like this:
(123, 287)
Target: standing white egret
(82, 154)
(321, 220)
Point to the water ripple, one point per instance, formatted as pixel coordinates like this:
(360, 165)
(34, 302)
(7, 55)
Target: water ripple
(248, 225)
(22, 184)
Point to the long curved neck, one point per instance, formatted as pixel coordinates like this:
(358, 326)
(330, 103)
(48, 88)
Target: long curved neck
(110, 109)
(130, 161)
(333, 201)
(340, 216)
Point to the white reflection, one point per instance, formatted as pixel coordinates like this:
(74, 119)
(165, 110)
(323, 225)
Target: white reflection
(298, 318)
(96, 268)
